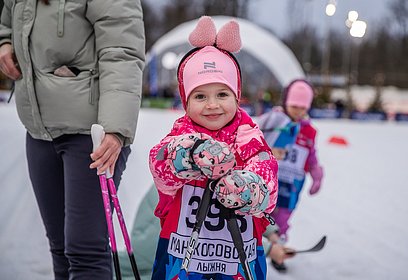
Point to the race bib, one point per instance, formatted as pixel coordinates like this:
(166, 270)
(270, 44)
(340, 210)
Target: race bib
(215, 251)
(291, 168)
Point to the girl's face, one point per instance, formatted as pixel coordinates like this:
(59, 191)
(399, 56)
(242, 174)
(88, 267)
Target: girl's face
(212, 105)
(296, 113)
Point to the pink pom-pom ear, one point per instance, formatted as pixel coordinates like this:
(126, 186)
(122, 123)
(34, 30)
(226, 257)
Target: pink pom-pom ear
(228, 38)
(204, 33)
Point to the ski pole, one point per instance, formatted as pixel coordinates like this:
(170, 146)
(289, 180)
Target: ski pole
(115, 199)
(97, 134)
(233, 228)
(108, 186)
(200, 217)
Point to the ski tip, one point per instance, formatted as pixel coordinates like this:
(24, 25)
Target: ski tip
(319, 246)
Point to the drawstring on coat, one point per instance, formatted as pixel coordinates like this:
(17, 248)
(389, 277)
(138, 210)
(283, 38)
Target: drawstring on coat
(61, 13)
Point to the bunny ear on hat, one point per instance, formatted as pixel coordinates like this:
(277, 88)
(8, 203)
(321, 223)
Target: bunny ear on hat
(204, 33)
(228, 37)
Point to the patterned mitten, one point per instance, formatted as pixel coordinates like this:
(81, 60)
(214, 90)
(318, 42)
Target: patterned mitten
(244, 191)
(213, 158)
(179, 155)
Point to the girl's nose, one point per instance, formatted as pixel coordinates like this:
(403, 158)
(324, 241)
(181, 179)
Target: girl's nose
(212, 103)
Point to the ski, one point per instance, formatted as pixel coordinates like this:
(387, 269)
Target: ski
(319, 246)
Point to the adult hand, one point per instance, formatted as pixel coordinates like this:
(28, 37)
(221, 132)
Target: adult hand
(280, 253)
(8, 63)
(106, 154)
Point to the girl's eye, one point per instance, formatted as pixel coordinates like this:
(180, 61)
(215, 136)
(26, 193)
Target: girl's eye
(199, 96)
(223, 94)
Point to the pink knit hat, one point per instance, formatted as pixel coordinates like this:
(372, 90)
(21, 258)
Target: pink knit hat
(212, 61)
(210, 65)
(299, 94)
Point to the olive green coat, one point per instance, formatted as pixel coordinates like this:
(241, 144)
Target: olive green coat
(103, 39)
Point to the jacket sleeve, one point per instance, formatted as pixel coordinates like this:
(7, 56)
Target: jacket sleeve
(5, 26)
(165, 181)
(120, 47)
(312, 159)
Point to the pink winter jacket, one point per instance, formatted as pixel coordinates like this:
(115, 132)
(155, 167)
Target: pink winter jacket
(243, 137)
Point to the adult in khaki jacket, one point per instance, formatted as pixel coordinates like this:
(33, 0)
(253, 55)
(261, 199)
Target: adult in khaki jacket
(74, 63)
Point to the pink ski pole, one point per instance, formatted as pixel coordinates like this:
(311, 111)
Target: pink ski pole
(108, 189)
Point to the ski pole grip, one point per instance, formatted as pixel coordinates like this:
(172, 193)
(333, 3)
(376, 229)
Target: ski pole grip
(97, 134)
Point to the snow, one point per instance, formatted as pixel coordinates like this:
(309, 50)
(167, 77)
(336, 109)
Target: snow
(361, 206)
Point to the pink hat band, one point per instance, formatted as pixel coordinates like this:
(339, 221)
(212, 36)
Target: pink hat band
(299, 94)
(208, 65)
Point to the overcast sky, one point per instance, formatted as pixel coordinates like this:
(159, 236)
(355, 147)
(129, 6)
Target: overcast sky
(274, 13)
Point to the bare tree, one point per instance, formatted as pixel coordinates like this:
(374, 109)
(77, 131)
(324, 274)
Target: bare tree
(399, 10)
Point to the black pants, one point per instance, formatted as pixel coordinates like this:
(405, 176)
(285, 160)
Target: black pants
(70, 202)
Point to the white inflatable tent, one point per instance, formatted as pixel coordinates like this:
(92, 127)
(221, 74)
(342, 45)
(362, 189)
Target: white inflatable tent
(261, 44)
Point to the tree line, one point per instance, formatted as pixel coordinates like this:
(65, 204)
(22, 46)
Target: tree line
(382, 57)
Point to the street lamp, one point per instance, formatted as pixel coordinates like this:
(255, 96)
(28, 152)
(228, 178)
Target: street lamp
(352, 17)
(357, 31)
(331, 8)
(330, 11)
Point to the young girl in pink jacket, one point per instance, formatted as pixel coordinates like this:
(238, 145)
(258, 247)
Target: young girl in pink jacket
(300, 157)
(215, 140)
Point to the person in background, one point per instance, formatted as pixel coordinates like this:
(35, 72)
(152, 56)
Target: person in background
(74, 63)
(298, 159)
(214, 140)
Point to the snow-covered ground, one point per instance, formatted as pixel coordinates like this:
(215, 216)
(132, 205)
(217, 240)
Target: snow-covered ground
(361, 206)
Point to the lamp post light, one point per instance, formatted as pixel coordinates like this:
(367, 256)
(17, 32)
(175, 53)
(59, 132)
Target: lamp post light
(357, 31)
(331, 8)
(330, 11)
(352, 17)
(307, 49)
